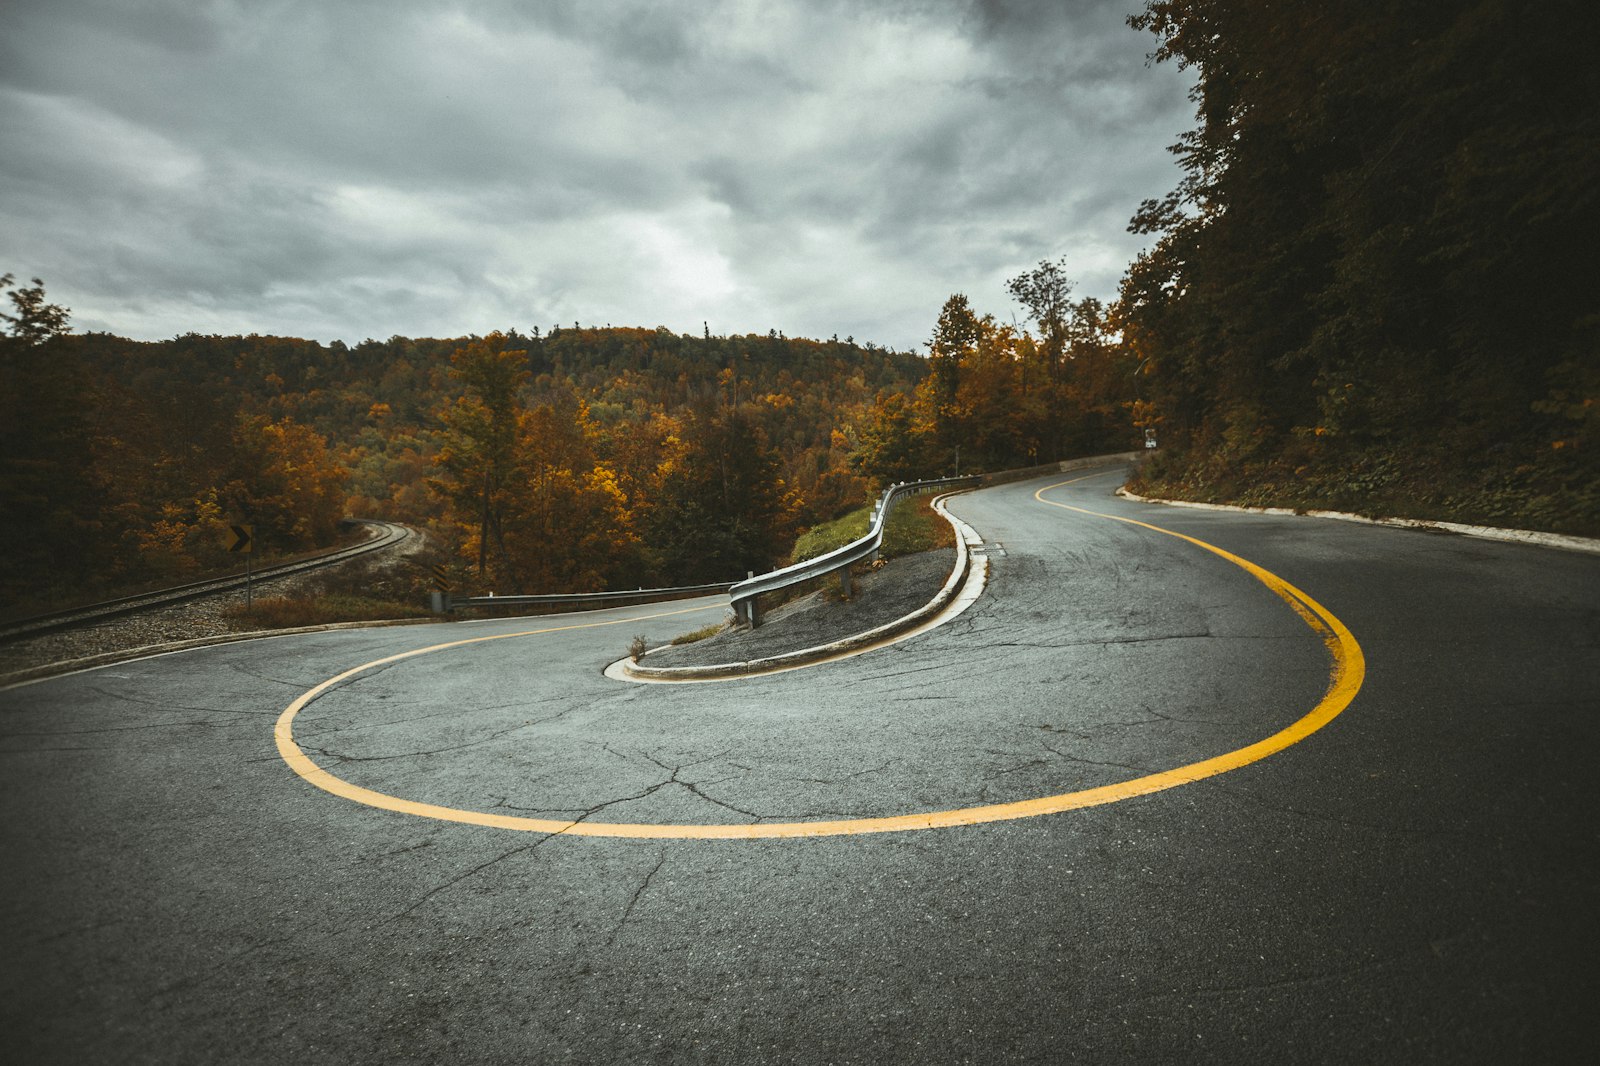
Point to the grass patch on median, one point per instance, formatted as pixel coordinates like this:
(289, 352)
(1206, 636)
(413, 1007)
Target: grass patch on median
(914, 526)
(700, 634)
(819, 540)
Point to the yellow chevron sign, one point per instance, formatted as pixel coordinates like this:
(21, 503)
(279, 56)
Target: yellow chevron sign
(241, 538)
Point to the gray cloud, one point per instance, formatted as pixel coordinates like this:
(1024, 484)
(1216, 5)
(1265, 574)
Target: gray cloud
(365, 169)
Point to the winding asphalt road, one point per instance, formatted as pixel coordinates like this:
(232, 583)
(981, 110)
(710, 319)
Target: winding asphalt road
(464, 843)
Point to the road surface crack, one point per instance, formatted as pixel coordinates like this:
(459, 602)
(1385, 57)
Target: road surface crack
(236, 668)
(695, 787)
(638, 893)
(164, 705)
(1069, 757)
(462, 877)
(838, 780)
(1030, 764)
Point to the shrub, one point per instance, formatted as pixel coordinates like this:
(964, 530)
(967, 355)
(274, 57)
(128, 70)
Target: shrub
(285, 612)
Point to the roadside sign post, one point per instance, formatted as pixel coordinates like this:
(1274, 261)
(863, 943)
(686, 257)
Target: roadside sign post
(440, 596)
(243, 539)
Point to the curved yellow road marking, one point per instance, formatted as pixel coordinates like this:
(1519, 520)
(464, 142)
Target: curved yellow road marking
(1345, 676)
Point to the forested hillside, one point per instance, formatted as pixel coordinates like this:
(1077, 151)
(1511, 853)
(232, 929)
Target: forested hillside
(1371, 290)
(572, 461)
(575, 460)
(1373, 287)
(998, 397)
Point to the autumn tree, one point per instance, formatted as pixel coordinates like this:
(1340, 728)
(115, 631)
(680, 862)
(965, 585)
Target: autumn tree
(1097, 386)
(285, 482)
(1046, 292)
(569, 524)
(480, 442)
(52, 532)
(989, 394)
(954, 338)
(989, 400)
(721, 506)
(32, 320)
(894, 442)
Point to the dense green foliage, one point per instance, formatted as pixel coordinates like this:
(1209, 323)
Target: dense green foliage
(1370, 288)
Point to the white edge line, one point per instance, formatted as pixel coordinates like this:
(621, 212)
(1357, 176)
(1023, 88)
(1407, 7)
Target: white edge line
(160, 651)
(1508, 536)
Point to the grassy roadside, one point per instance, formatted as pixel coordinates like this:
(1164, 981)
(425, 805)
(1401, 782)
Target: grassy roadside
(1557, 496)
(350, 593)
(283, 612)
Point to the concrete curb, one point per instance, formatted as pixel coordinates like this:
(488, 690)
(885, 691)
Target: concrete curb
(966, 537)
(1510, 536)
(149, 651)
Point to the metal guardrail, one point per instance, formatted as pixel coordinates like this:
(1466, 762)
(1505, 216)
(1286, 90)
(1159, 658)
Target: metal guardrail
(744, 595)
(580, 598)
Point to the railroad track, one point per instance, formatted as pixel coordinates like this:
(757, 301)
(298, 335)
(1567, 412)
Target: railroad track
(389, 535)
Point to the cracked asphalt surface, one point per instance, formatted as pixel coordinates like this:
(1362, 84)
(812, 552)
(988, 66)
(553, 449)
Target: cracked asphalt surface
(1416, 882)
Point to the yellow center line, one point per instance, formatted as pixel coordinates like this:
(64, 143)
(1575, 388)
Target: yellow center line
(1346, 673)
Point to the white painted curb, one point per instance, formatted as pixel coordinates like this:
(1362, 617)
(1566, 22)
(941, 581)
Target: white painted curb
(1511, 536)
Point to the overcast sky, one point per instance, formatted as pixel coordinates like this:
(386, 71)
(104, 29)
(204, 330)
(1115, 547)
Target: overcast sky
(350, 169)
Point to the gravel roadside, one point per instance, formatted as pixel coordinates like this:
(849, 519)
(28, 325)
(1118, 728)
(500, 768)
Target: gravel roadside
(195, 620)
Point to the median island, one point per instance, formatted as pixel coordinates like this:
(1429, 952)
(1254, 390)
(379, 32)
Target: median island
(917, 557)
(879, 596)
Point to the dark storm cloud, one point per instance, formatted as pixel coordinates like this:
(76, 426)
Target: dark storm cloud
(367, 169)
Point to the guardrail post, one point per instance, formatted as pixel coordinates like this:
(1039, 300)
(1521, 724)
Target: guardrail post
(749, 610)
(844, 581)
